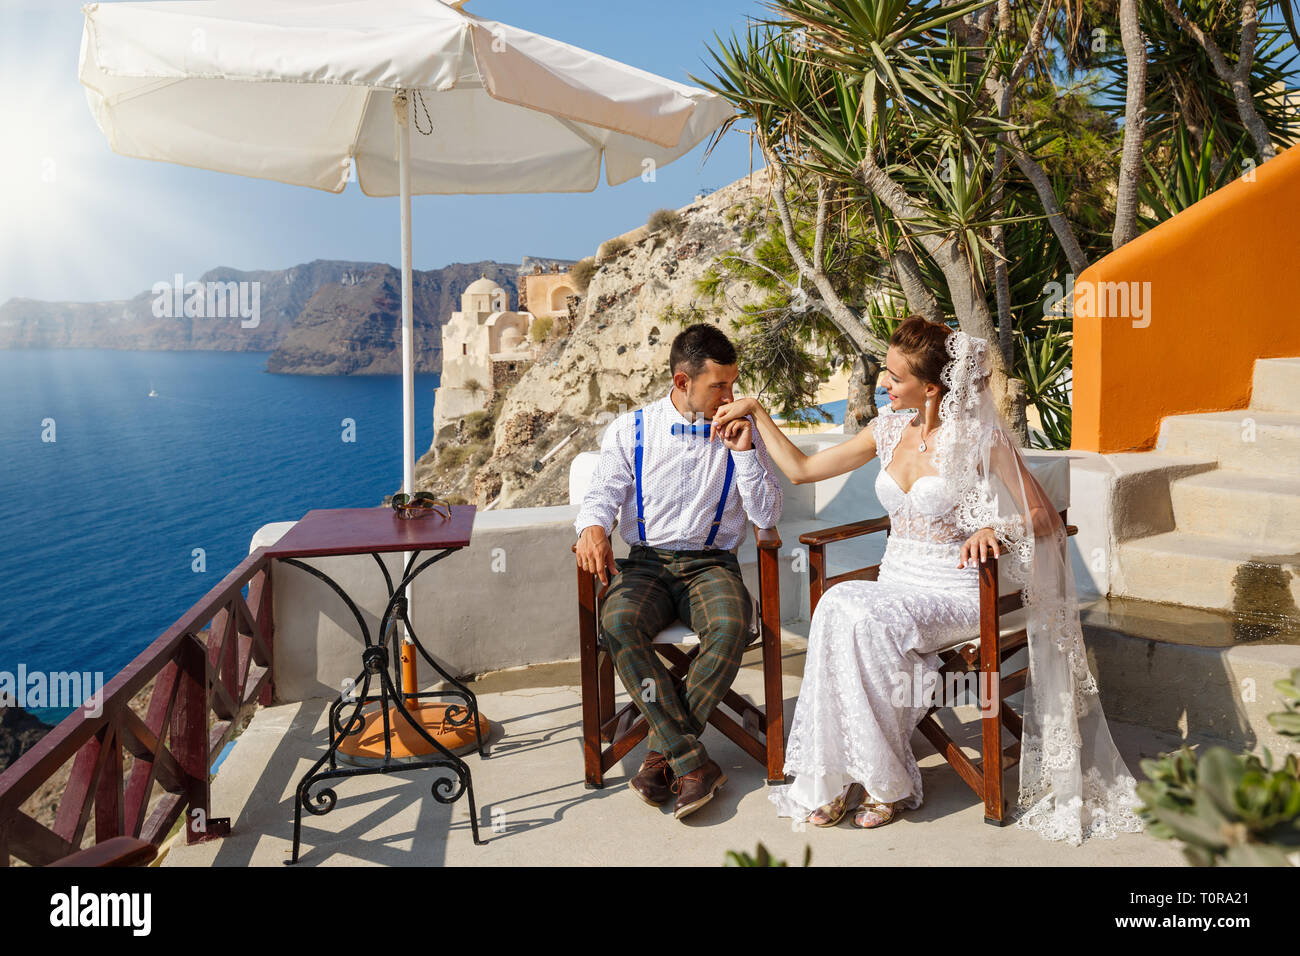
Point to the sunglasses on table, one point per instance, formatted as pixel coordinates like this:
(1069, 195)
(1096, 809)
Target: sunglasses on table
(419, 505)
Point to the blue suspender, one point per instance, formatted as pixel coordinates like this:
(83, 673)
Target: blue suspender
(640, 447)
(717, 515)
(640, 509)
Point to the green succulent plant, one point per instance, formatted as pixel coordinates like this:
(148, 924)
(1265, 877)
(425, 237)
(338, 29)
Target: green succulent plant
(1226, 809)
(1287, 721)
(762, 857)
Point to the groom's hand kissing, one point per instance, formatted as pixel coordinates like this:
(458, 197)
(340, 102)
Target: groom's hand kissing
(729, 425)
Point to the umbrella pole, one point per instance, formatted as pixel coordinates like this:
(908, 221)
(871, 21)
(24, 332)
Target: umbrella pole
(401, 116)
(371, 745)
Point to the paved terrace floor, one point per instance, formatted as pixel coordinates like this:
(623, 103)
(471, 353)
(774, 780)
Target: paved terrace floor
(534, 809)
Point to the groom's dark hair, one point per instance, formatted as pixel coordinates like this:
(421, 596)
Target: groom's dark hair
(695, 344)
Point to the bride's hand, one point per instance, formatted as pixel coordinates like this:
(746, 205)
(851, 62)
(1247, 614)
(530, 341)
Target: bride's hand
(730, 412)
(979, 545)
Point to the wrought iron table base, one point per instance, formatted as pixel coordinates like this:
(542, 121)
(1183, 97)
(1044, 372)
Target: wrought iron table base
(375, 660)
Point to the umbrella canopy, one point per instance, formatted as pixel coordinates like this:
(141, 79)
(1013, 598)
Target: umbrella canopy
(299, 91)
(305, 91)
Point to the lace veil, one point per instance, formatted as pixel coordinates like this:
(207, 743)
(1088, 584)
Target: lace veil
(1073, 782)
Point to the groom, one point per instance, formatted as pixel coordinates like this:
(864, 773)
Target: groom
(682, 502)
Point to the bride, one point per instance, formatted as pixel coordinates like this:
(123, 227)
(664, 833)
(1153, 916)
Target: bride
(956, 489)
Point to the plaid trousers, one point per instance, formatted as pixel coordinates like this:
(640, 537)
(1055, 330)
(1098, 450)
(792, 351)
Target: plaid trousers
(653, 589)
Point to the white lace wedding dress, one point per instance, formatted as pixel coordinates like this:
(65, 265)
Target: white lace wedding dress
(872, 643)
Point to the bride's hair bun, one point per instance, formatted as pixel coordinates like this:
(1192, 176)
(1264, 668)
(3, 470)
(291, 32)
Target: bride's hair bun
(924, 346)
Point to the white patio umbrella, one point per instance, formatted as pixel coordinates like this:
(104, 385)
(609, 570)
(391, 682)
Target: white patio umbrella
(306, 92)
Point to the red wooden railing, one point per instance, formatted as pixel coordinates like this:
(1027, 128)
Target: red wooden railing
(223, 675)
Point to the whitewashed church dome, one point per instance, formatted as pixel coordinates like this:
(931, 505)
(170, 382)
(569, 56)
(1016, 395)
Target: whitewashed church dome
(483, 286)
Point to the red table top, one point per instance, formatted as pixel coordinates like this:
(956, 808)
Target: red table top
(365, 530)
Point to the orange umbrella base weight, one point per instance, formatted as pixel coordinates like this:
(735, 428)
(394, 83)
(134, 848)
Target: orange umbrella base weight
(367, 747)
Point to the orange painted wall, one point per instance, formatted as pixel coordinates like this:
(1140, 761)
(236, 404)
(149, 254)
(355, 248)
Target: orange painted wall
(1224, 289)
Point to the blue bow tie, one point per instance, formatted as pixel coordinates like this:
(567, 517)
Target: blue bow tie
(679, 428)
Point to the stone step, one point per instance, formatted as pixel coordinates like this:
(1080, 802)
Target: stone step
(1189, 672)
(1246, 439)
(1261, 508)
(1219, 572)
(1137, 485)
(1276, 385)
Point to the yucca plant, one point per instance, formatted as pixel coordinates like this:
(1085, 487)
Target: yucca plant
(1190, 175)
(1288, 10)
(1183, 91)
(1045, 367)
(954, 159)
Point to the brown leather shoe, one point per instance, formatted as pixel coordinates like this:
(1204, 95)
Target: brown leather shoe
(695, 789)
(652, 782)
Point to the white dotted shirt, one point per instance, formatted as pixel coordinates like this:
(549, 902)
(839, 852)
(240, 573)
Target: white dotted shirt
(681, 481)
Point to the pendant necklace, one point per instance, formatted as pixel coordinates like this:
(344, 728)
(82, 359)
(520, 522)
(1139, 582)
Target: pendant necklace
(921, 447)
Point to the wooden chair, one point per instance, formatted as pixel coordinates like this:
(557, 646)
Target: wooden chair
(608, 736)
(998, 639)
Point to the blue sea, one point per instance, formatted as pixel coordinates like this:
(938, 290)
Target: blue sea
(101, 525)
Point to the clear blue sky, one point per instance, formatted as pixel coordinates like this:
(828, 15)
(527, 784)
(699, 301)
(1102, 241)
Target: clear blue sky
(79, 222)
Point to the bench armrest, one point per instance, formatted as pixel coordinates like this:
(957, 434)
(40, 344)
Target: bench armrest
(767, 539)
(843, 532)
(856, 529)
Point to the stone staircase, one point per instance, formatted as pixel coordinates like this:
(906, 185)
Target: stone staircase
(1233, 537)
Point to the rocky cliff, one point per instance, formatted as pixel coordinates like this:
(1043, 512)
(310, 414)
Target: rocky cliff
(615, 358)
(325, 317)
(19, 731)
(132, 324)
(354, 327)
